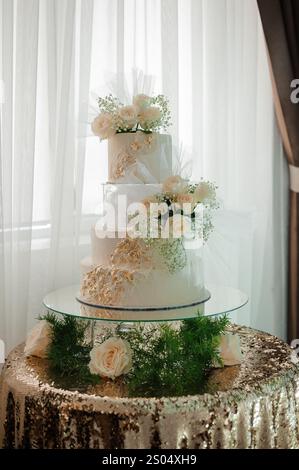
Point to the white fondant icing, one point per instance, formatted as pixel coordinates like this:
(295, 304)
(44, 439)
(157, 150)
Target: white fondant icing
(152, 154)
(124, 199)
(86, 265)
(160, 288)
(102, 246)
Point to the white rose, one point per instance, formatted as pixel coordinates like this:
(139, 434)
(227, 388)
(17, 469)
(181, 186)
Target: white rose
(141, 101)
(230, 349)
(111, 359)
(185, 198)
(102, 126)
(149, 116)
(128, 114)
(38, 340)
(185, 202)
(202, 191)
(174, 184)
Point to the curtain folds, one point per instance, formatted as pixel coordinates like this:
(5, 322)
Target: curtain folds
(19, 59)
(280, 21)
(45, 70)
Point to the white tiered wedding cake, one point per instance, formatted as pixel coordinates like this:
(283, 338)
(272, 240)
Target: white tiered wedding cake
(146, 250)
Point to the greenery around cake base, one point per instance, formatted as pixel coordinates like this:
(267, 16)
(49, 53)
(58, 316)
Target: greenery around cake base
(68, 353)
(174, 361)
(167, 360)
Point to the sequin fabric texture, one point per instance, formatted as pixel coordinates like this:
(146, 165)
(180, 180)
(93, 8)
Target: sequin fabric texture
(254, 405)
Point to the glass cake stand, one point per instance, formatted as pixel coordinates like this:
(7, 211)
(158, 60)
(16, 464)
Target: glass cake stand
(216, 300)
(104, 322)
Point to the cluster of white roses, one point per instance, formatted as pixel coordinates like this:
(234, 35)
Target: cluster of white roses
(182, 193)
(179, 191)
(145, 113)
(182, 199)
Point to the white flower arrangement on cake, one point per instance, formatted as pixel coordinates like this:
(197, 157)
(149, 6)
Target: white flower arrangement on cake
(147, 114)
(176, 210)
(182, 210)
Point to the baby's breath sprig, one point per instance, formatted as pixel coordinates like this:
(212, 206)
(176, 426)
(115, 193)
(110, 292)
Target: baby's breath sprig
(163, 103)
(109, 104)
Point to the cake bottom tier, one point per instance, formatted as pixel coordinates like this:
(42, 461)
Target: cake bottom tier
(140, 288)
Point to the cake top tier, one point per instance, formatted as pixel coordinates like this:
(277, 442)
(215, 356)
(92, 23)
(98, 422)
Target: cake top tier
(137, 151)
(137, 157)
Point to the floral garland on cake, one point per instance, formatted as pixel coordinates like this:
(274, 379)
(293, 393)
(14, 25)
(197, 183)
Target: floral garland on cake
(128, 155)
(175, 217)
(130, 262)
(175, 208)
(146, 113)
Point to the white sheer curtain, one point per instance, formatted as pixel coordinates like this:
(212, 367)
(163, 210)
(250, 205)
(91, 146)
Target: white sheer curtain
(45, 69)
(209, 57)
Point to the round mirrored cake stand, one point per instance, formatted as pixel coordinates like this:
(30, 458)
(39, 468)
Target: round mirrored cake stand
(215, 300)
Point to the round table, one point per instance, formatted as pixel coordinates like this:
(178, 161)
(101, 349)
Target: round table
(254, 405)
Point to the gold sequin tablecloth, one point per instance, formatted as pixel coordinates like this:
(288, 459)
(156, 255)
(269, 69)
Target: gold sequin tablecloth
(255, 405)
